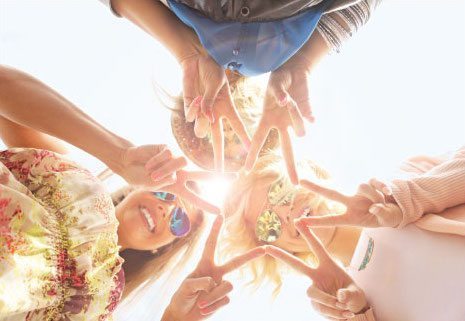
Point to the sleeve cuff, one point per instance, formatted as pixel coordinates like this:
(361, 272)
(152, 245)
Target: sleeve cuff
(367, 316)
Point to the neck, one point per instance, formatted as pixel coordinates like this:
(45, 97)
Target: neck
(123, 244)
(343, 244)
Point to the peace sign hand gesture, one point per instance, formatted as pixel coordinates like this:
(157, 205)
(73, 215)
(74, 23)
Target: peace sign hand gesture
(371, 206)
(207, 101)
(334, 294)
(205, 291)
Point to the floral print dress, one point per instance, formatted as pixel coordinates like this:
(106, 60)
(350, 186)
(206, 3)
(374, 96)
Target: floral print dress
(58, 240)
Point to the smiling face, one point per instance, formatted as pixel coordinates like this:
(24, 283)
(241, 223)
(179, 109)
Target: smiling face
(145, 221)
(295, 204)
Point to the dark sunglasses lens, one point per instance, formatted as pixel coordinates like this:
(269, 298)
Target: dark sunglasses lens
(164, 196)
(179, 223)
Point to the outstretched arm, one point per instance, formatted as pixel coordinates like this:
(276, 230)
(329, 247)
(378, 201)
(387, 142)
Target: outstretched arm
(32, 107)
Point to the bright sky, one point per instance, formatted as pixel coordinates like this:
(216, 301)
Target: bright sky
(396, 90)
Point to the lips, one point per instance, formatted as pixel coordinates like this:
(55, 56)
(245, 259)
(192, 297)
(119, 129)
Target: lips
(148, 218)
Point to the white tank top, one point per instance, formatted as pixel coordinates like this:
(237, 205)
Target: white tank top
(410, 274)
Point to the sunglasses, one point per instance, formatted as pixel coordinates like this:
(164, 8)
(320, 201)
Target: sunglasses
(268, 227)
(180, 224)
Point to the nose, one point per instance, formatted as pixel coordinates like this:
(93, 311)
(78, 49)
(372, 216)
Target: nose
(164, 209)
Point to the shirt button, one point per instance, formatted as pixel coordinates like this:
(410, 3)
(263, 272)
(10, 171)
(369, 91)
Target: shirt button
(245, 11)
(232, 65)
(235, 52)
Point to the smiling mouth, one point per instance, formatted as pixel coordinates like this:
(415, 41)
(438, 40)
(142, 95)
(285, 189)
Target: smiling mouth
(148, 218)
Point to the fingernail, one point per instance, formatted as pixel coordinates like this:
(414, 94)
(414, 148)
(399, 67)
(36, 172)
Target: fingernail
(348, 314)
(283, 100)
(202, 304)
(374, 209)
(197, 101)
(341, 306)
(387, 191)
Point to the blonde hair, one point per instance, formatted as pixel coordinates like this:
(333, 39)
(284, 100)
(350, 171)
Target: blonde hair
(239, 236)
(143, 268)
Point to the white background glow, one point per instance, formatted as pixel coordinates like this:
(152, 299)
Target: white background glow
(396, 90)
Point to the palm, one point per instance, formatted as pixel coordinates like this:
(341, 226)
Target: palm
(207, 101)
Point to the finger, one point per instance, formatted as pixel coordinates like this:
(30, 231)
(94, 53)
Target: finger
(189, 93)
(288, 154)
(197, 201)
(352, 297)
(291, 260)
(327, 220)
(201, 126)
(218, 145)
(325, 191)
(240, 260)
(212, 240)
(194, 285)
(209, 98)
(296, 118)
(216, 294)
(331, 312)
(193, 109)
(381, 186)
(313, 242)
(280, 94)
(169, 168)
(238, 126)
(205, 175)
(322, 297)
(215, 306)
(305, 108)
(387, 215)
(371, 193)
(158, 160)
(256, 145)
(163, 183)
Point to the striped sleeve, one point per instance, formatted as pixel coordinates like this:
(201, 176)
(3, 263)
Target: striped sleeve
(338, 26)
(441, 187)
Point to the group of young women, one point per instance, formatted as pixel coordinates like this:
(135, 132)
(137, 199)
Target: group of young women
(72, 251)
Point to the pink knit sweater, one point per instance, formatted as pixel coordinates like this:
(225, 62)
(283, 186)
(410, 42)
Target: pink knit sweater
(433, 198)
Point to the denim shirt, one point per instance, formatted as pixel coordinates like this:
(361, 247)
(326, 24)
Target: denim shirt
(251, 48)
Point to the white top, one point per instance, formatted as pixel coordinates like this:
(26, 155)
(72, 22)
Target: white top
(411, 274)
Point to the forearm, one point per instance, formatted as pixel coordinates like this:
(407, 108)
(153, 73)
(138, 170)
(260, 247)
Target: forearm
(168, 315)
(338, 26)
(312, 52)
(432, 192)
(158, 21)
(26, 101)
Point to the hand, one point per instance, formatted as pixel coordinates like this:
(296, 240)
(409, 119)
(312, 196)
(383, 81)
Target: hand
(334, 294)
(207, 101)
(371, 206)
(155, 167)
(204, 291)
(286, 105)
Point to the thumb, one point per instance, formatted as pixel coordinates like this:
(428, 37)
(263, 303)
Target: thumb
(327, 220)
(388, 215)
(352, 297)
(194, 285)
(280, 94)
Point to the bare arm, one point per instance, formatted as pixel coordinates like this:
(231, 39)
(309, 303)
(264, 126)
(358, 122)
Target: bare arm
(33, 109)
(15, 135)
(158, 21)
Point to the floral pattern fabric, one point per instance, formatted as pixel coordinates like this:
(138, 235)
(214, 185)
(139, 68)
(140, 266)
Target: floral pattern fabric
(58, 240)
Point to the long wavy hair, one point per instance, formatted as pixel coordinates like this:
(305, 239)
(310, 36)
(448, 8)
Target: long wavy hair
(240, 236)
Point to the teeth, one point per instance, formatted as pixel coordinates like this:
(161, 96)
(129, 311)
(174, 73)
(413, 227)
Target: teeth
(148, 218)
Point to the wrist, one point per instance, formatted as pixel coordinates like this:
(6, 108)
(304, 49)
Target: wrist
(168, 315)
(113, 153)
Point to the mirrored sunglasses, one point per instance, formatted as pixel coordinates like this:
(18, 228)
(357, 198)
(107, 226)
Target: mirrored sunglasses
(180, 224)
